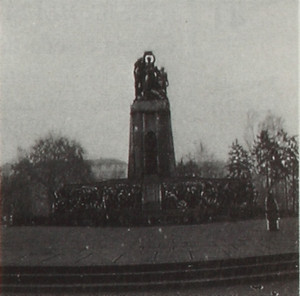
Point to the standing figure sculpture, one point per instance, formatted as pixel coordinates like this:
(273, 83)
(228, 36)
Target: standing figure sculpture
(163, 80)
(150, 73)
(139, 77)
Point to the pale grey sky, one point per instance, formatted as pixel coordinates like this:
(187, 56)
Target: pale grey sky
(67, 66)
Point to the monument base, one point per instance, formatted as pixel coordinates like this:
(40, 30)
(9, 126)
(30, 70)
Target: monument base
(151, 193)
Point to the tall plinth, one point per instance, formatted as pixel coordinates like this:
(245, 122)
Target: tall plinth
(151, 149)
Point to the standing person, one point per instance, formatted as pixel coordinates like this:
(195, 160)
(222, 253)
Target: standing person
(272, 212)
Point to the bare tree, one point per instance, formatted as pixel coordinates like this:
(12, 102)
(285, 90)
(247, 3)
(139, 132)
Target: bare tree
(250, 128)
(202, 163)
(271, 123)
(255, 124)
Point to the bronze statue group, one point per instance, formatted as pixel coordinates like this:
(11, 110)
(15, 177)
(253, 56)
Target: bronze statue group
(150, 82)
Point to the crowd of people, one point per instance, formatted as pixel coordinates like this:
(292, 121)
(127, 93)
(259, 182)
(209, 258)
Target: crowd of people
(120, 196)
(96, 202)
(214, 193)
(105, 200)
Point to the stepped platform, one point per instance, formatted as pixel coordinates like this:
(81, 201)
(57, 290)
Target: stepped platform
(101, 259)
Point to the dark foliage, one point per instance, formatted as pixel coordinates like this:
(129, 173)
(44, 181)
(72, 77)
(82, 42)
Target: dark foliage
(50, 163)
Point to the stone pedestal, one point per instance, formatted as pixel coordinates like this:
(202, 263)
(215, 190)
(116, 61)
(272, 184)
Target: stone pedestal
(151, 150)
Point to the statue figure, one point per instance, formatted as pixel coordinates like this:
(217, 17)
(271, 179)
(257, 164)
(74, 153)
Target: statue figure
(163, 80)
(150, 82)
(151, 73)
(139, 76)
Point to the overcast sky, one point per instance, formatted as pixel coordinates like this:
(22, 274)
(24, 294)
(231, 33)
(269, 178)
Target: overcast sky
(67, 66)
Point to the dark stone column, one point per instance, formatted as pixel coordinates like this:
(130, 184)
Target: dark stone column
(151, 149)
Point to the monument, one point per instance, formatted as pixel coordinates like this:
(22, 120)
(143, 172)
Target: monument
(151, 194)
(151, 149)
